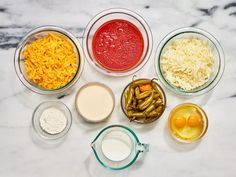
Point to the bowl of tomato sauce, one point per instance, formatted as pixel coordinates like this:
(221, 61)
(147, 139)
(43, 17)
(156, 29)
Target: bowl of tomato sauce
(117, 42)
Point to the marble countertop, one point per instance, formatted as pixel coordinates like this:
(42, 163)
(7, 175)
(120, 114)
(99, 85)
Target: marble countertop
(22, 153)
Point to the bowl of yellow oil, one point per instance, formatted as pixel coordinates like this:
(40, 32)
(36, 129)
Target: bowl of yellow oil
(188, 122)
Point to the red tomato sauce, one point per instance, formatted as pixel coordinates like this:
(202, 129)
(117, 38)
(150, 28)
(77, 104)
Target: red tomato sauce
(118, 45)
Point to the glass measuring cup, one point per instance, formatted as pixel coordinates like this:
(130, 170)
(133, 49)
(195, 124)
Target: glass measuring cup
(117, 147)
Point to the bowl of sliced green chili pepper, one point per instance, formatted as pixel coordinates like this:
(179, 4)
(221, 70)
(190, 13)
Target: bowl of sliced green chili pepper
(143, 101)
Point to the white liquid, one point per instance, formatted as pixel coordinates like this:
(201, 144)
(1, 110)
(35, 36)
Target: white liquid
(116, 146)
(95, 102)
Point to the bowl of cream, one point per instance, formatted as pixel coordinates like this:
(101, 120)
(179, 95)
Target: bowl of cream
(95, 102)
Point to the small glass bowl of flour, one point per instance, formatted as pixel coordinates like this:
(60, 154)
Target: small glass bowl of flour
(51, 119)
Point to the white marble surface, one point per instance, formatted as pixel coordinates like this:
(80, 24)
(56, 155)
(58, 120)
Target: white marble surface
(23, 154)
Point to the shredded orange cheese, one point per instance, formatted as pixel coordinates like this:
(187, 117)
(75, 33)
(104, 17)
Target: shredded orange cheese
(51, 61)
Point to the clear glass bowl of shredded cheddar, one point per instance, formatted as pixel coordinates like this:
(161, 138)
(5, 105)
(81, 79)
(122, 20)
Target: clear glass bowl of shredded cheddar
(189, 61)
(49, 60)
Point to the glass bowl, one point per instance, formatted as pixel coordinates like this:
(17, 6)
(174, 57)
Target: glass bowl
(218, 56)
(112, 14)
(38, 112)
(204, 119)
(143, 121)
(35, 34)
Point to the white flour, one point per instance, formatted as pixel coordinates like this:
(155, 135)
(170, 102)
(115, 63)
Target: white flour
(53, 120)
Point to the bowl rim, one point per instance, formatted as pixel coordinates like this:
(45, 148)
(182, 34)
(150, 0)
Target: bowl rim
(161, 90)
(200, 32)
(90, 84)
(51, 136)
(202, 133)
(67, 34)
(127, 12)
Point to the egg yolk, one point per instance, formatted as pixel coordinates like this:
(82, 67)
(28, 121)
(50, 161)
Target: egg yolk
(179, 122)
(193, 121)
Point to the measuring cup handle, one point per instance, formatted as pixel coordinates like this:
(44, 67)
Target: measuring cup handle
(142, 147)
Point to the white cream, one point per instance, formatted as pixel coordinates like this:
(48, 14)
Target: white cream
(95, 102)
(116, 146)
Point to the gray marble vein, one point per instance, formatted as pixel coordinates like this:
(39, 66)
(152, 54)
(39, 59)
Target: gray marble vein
(22, 153)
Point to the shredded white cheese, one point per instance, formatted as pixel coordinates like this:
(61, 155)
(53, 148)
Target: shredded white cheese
(187, 62)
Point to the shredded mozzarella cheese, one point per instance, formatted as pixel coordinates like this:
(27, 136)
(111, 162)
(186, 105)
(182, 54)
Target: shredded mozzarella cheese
(187, 63)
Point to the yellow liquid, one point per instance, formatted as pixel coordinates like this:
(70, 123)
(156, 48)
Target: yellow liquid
(187, 132)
